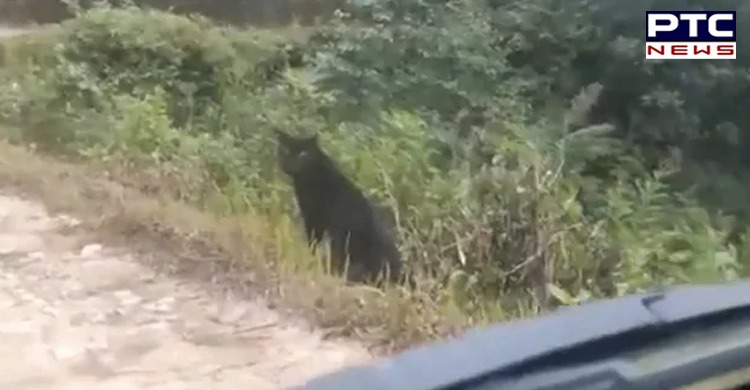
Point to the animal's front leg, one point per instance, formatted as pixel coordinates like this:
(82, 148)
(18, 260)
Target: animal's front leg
(339, 245)
(314, 234)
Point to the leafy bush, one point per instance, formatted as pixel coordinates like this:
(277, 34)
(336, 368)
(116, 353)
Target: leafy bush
(114, 51)
(489, 67)
(472, 56)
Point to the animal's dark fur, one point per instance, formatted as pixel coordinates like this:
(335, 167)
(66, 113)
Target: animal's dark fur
(332, 206)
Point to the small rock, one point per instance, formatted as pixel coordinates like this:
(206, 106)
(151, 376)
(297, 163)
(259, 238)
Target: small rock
(99, 318)
(65, 352)
(50, 311)
(127, 297)
(97, 363)
(229, 313)
(161, 306)
(33, 256)
(7, 245)
(68, 220)
(17, 327)
(90, 250)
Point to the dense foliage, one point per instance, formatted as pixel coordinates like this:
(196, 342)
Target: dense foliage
(529, 153)
(639, 135)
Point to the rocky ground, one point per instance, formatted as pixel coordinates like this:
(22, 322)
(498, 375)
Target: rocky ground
(78, 315)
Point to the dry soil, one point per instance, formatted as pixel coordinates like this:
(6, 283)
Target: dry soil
(78, 316)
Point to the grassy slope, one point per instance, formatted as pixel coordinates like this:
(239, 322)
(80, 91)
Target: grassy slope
(228, 249)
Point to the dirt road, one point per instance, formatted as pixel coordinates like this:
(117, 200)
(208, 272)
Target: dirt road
(79, 316)
(7, 31)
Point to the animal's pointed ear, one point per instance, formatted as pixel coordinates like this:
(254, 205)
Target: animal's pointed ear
(313, 139)
(282, 136)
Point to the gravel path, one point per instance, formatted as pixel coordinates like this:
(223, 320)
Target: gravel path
(87, 316)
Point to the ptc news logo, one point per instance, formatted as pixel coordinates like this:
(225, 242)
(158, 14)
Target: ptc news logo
(691, 35)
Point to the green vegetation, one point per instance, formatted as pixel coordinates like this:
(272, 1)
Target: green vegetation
(530, 156)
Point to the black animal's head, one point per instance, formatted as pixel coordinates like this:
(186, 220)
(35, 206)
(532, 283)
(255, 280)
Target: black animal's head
(297, 153)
